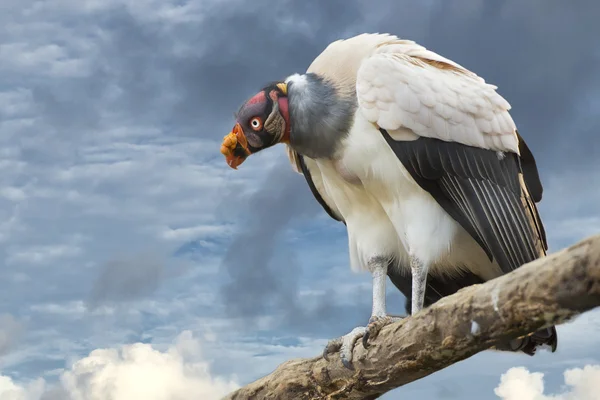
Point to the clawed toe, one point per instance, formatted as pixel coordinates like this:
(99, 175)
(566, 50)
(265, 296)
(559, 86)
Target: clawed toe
(376, 323)
(345, 345)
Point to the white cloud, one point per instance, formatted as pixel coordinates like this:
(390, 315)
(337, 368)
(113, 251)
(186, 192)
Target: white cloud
(136, 371)
(9, 390)
(520, 384)
(195, 232)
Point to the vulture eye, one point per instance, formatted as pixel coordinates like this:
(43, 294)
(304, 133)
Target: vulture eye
(256, 123)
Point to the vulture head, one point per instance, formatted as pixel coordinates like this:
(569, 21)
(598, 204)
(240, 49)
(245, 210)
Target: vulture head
(261, 122)
(317, 112)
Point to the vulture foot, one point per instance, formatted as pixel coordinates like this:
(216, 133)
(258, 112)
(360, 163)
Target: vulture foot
(345, 345)
(376, 323)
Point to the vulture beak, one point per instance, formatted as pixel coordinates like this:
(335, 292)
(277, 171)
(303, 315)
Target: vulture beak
(235, 147)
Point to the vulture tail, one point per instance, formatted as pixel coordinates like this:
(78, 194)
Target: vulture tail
(438, 287)
(546, 337)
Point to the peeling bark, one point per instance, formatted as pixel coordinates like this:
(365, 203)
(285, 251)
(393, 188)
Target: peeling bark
(546, 292)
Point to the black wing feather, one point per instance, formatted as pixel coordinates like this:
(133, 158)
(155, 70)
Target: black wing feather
(315, 192)
(534, 186)
(482, 192)
(530, 171)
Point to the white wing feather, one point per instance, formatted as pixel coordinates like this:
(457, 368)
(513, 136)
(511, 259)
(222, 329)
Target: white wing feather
(403, 85)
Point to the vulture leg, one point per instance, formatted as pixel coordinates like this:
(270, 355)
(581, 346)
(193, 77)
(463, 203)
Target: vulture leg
(379, 317)
(379, 271)
(419, 283)
(378, 320)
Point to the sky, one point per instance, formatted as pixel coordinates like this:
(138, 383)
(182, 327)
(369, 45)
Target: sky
(134, 263)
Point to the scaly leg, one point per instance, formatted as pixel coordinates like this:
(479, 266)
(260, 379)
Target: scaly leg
(378, 320)
(379, 268)
(379, 317)
(419, 283)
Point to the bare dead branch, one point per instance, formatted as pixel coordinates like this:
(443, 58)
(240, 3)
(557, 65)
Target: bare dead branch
(546, 292)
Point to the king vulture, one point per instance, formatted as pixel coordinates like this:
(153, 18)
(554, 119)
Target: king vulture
(418, 157)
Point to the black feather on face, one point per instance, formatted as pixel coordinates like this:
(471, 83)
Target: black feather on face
(261, 122)
(251, 117)
(263, 119)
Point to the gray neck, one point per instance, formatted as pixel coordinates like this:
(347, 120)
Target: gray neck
(319, 116)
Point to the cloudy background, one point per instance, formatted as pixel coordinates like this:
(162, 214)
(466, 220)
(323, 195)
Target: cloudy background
(122, 274)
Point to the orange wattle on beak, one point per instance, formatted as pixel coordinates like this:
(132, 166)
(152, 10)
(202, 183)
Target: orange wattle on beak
(235, 147)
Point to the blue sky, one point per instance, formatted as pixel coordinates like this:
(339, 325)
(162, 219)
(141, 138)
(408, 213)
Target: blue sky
(122, 228)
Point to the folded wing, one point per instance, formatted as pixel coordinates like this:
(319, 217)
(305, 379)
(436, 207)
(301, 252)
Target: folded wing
(464, 150)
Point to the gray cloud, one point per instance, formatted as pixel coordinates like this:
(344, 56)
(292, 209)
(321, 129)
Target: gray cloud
(10, 333)
(127, 278)
(261, 278)
(253, 46)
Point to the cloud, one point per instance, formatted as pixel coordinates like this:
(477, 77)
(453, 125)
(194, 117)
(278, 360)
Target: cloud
(127, 278)
(10, 331)
(571, 216)
(258, 277)
(520, 384)
(136, 371)
(33, 390)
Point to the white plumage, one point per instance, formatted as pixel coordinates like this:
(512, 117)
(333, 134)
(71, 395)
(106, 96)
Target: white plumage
(370, 231)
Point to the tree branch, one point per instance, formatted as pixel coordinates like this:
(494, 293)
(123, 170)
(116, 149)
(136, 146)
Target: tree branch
(546, 292)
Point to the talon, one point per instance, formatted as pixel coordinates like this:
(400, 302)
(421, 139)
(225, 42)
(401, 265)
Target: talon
(365, 339)
(345, 345)
(375, 325)
(367, 335)
(346, 363)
